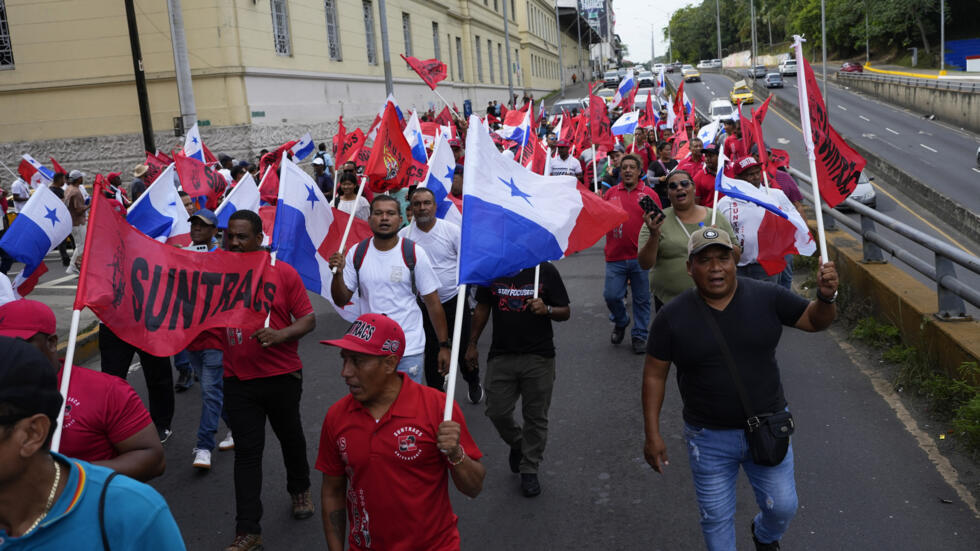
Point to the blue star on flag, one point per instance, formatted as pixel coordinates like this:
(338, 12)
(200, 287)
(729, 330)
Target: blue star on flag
(312, 197)
(52, 215)
(515, 191)
(451, 171)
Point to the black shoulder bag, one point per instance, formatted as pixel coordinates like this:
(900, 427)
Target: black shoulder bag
(105, 487)
(767, 433)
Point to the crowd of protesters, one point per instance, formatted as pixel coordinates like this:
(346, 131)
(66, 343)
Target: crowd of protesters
(672, 270)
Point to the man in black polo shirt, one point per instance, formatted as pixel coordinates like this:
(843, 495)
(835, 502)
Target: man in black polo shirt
(521, 363)
(750, 315)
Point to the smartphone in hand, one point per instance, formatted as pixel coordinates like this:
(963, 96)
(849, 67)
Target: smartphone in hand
(649, 206)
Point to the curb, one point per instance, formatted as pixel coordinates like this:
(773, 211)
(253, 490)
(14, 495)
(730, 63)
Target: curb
(86, 345)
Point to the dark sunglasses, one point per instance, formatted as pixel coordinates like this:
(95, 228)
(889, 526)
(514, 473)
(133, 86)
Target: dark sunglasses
(682, 183)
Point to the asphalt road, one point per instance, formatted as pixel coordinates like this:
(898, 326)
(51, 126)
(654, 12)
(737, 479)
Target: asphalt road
(781, 130)
(863, 480)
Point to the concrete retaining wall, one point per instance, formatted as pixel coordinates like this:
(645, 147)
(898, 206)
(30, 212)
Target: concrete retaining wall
(959, 108)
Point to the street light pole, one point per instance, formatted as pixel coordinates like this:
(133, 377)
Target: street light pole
(385, 55)
(823, 46)
(752, 31)
(141, 95)
(561, 59)
(578, 24)
(867, 35)
(942, 36)
(718, 24)
(510, 72)
(185, 89)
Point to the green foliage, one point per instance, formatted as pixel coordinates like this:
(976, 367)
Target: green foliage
(899, 354)
(875, 333)
(946, 396)
(967, 423)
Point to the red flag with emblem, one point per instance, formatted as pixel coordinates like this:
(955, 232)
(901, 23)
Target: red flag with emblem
(340, 137)
(154, 166)
(648, 118)
(391, 166)
(444, 117)
(432, 71)
(199, 180)
(600, 133)
(351, 146)
(758, 116)
(680, 114)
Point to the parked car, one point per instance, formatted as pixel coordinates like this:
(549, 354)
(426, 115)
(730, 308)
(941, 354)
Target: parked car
(641, 93)
(610, 78)
(716, 63)
(704, 64)
(566, 105)
(741, 93)
(851, 67)
(759, 71)
(863, 193)
(657, 67)
(721, 109)
(773, 80)
(788, 67)
(690, 74)
(669, 67)
(646, 78)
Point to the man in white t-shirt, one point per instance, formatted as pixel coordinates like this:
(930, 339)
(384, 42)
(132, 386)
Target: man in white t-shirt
(388, 286)
(440, 239)
(564, 164)
(21, 193)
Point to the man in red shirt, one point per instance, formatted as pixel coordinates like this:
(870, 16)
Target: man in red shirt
(704, 181)
(622, 268)
(105, 421)
(734, 148)
(264, 380)
(694, 164)
(385, 451)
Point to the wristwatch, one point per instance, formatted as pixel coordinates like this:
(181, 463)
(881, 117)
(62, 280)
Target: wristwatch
(549, 309)
(445, 344)
(828, 300)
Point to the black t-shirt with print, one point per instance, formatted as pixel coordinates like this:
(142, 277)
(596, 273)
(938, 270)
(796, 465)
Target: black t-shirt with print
(752, 324)
(515, 329)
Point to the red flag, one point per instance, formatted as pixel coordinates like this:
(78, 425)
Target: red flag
(350, 147)
(503, 111)
(273, 158)
(648, 118)
(269, 186)
(340, 137)
(209, 158)
(445, 117)
(680, 114)
(777, 238)
(779, 158)
(600, 132)
(747, 126)
(431, 70)
(157, 297)
(200, 180)
(758, 116)
(391, 166)
(838, 165)
(164, 158)
(57, 168)
(627, 103)
(154, 166)
(582, 141)
(538, 159)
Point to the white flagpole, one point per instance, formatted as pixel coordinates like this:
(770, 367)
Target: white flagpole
(808, 142)
(15, 175)
(66, 379)
(537, 279)
(595, 172)
(451, 110)
(350, 219)
(454, 351)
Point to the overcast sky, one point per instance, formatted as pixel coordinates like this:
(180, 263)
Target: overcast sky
(634, 19)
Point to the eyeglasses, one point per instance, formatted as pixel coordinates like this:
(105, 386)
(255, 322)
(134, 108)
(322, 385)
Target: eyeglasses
(682, 183)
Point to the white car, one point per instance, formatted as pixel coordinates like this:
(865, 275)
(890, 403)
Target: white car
(657, 67)
(863, 193)
(716, 63)
(704, 64)
(788, 67)
(721, 109)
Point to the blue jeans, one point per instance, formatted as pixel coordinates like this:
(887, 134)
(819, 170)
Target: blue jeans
(786, 276)
(182, 361)
(207, 366)
(618, 275)
(715, 457)
(413, 366)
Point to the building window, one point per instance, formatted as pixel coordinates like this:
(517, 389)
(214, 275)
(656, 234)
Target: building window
(513, 11)
(435, 41)
(372, 48)
(333, 31)
(496, 7)
(490, 58)
(280, 27)
(500, 62)
(449, 58)
(6, 48)
(407, 33)
(479, 61)
(459, 58)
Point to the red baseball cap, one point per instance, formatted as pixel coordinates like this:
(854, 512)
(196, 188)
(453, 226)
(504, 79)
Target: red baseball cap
(563, 143)
(744, 164)
(25, 318)
(374, 335)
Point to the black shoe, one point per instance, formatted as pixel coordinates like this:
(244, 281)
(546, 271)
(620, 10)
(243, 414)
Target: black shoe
(639, 346)
(184, 381)
(530, 485)
(515, 460)
(759, 546)
(476, 392)
(66, 261)
(617, 334)
(164, 435)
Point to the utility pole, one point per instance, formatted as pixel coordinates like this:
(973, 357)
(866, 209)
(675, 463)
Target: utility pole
(718, 23)
(752, 28)
(670, 46)
(385, 54)
(185, 88)
(144, 101)
(867, 35)
(578, 23)
(561, 58)
(653, 46)
(510, 72)
(823, 46)
(942, 36)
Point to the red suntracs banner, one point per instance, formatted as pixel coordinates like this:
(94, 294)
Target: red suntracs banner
(157, 297)
(391, 166)
(352, 144)
(199, 180)
(431, 70)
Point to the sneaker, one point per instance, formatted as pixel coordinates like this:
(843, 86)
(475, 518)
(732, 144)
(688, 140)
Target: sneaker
(515, 460)
(70, 270)
(759, 546)
(639, 346)
(184, 381)
(246, 542)
(476, 392)
(618, 334)
(530, 485)
(164, 435)
(227, 444)
(202, 459)
(302, 505)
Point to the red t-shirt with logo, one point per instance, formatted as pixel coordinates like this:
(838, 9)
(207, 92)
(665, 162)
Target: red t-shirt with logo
(244, 356)
(691, 166)
(704, 188)
(621, 242)
(397, 479)
(101, 410)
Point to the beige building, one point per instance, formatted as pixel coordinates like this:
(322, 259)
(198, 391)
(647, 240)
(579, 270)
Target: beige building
(263, 71)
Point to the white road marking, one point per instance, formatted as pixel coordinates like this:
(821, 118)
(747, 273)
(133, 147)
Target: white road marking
(890, 130)
(842, 107)
(782, 141)
(54, 282)
(929, 148)
(864, 118)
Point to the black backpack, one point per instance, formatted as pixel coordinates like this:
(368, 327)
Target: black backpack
(408, 256)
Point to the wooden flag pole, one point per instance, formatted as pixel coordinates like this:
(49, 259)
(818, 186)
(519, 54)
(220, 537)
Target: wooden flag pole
(454, 357)
(350, 219)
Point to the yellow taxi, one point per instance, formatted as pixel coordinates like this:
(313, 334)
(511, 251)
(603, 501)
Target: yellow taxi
(690, 74)
(741, 93)
(607, 95)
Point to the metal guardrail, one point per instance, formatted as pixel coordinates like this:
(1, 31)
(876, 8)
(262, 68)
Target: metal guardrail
(935, 84)
(949, 290)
